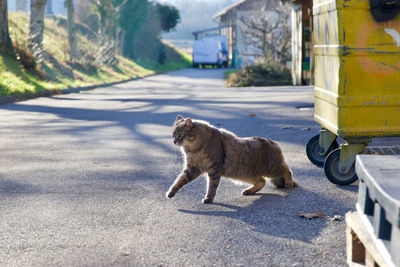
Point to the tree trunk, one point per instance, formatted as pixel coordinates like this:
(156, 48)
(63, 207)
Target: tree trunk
(5, 40)
(73, 47)
(36, 29)
(118, 40)
(106, 54)
(105, 13)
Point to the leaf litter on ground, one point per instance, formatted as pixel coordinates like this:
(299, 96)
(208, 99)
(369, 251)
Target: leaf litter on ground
(314, 215)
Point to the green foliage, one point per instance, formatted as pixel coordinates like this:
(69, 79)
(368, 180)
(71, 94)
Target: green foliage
(261, 74)
(146, 44)
(142, 23)
(135, 25)
(169, 17)
(131, 18)
(132, 14)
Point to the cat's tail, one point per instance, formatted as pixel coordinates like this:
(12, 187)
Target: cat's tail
(285, 181)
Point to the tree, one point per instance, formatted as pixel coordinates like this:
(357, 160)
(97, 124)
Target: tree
(106, 16)
(84, 14)
(267, 35)
(73, 47)
(5, 40)
(146, 43)
(131, 15)
(169, 17)
(126, 24)
(36, 29)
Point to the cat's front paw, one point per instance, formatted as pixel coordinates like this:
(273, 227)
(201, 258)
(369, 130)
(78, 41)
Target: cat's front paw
(288, 184)
(170, 194)
(247, 192)
(291, 184)
(207, 200)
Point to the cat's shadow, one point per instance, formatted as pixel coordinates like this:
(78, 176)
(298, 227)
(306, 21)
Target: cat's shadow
(273, 214)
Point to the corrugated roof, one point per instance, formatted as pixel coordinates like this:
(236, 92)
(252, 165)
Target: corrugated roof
(228, 8)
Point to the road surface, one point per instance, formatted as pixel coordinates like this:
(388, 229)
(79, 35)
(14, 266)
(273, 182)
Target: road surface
(83, 178)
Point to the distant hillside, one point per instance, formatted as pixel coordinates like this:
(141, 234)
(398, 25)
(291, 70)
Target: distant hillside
(20, 77)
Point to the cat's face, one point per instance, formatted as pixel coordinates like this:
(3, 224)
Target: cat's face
(183, 133)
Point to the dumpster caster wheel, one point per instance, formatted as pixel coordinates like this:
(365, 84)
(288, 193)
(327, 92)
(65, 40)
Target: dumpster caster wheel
(313, 151)
(334, 174)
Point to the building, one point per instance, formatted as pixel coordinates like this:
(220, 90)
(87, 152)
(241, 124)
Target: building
(230, 20)
(301, 34)
(302, 52)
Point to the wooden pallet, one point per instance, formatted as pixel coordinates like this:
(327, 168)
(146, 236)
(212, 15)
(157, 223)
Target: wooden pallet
(363, 248)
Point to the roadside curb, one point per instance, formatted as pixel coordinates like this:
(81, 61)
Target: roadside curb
(46, 93)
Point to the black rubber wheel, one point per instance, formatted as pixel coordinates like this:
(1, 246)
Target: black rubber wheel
(333, 173)
(313, 151)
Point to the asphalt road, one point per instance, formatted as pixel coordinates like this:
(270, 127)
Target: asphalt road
(83, 179)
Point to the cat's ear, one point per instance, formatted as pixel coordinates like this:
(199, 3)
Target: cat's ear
(179, 117)
(189, 122)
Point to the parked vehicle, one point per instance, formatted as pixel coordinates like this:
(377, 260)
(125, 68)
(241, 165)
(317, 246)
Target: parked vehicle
(211, 51)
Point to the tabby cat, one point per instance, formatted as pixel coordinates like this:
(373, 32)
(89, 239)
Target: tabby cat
(219, 152)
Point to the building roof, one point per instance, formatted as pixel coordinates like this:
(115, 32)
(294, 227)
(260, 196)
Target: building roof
(228, 8)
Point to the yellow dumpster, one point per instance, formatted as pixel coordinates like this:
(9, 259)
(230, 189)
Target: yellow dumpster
(357, 80)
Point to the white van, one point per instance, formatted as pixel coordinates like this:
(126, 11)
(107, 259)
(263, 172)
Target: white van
(212, 50)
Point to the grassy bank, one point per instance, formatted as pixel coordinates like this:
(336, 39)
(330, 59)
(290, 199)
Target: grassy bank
(57, 72)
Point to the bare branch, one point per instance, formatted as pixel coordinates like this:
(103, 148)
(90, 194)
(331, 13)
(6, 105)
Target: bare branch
(267, 34)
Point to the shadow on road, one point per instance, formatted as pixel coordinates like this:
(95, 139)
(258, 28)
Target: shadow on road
(147, 109)
(276, 214)
(162, 109)
(13, 187)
